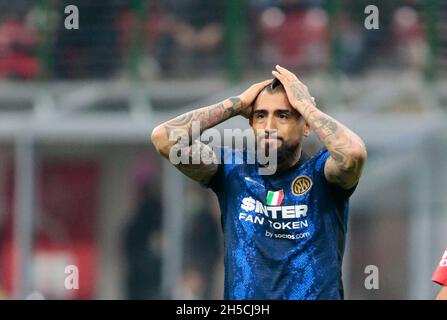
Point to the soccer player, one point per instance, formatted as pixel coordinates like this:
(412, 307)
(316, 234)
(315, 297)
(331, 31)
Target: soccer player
(284, 234)
(440, 277)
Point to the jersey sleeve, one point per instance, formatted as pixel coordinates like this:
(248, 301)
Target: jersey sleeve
(218, 179)
(321, 157)
(440, 275)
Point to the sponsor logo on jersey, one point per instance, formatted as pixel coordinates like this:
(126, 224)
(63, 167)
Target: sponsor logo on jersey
(277, 217)
(301, 185)
(274, 212)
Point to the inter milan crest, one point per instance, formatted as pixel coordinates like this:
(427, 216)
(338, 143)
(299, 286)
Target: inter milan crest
(301, 185)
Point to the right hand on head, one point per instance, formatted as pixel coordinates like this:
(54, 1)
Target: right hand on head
(248, 97)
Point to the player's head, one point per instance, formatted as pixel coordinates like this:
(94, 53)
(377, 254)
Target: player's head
(273, 112)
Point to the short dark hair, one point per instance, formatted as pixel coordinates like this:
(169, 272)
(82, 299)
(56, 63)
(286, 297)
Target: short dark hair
(275, 86)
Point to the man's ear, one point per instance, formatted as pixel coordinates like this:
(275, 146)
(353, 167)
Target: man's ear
(307, 130)
(250, 121)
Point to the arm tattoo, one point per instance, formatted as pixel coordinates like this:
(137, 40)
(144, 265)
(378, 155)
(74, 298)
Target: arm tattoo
(204, 170)
(301, 93)
(340, 141)
(336, 139)
(343, 144)
(234, 108)
(207, 116)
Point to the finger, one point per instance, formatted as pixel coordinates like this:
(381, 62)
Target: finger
(264, 83)
(260, 85)
(283, 71)
(290, 75)
(282, 68)
(279, 76)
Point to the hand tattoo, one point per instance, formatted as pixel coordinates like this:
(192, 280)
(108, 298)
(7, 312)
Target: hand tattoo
(301, 93)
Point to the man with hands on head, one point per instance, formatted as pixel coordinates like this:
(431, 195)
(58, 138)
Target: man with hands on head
(284, 232)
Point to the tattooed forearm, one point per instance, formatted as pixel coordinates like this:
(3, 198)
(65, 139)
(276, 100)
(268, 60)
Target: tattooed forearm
(206, 117)
(234, 108)
(182, 130)
(181, 134)
(339, 140)
(202, 162)
(347, 150)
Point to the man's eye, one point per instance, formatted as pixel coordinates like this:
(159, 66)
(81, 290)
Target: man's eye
(259, 115)
(283, 116)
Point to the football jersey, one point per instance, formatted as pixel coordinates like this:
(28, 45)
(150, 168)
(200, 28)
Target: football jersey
(284, 234)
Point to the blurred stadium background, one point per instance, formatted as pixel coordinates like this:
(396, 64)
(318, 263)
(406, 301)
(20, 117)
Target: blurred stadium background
(81, 185)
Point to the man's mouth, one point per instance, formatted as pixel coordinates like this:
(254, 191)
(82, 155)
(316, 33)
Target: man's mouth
(271, 142)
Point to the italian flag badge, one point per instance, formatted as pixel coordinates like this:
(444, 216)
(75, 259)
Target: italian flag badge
(274, 198)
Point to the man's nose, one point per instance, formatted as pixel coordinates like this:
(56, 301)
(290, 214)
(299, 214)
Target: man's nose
(270, 125)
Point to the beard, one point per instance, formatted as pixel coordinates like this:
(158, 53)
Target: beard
(286, 152)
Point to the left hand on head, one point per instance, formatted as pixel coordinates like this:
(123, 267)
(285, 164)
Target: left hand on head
(297, 92)
(249, 96)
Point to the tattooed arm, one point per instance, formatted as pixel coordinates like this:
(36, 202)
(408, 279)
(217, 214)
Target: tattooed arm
(207, 117)
(347, 150)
